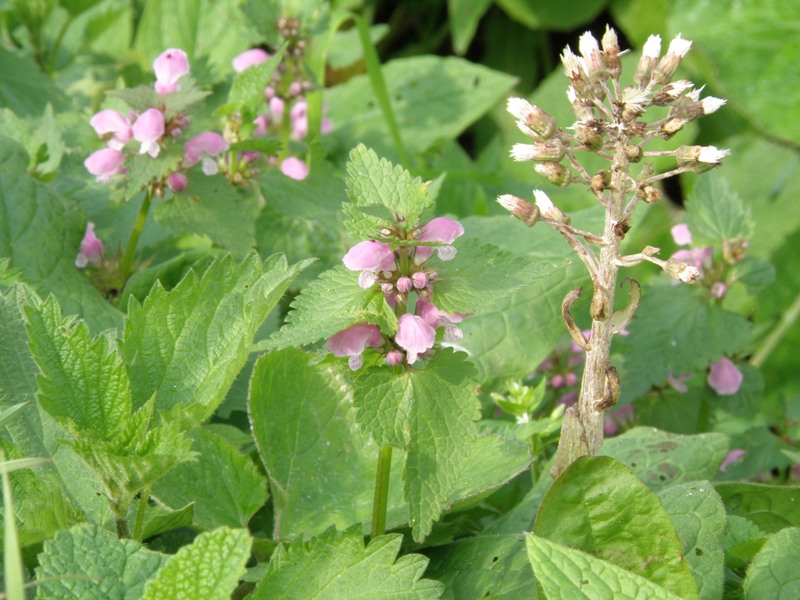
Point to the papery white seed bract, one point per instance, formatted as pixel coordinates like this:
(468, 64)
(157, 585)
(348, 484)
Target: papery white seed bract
(712, 154)
(712, 104)
(652, 47)
(679, 46)
(543, 201)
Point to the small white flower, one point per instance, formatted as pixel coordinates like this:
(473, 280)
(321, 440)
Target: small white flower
(679, 46)
(712, 104)
(652, 47)
(523, 152)
(543, 201)
(519, 108)
(712, 154)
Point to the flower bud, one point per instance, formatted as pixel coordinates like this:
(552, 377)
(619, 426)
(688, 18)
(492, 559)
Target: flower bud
(649, 194)
(601, 180)
(671, 92)
(701, 158)
(724, 377)
(551, 150)
(611, 52)
(672, 126)
(549, 210)
(588, 134)
(523, 210)
(532, 117)
(177, 181)
(633, 152)
(679, 270)
(590, 51)
(404, 285)
(556, 173)
(667, 66)
(719, 290)
(650, 54)
(419, 280)
(394, 358)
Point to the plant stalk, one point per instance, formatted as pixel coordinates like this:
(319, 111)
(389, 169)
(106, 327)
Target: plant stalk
(138, 226)
(582, 432)
(138, 525)
(777, 334)
(380, 503)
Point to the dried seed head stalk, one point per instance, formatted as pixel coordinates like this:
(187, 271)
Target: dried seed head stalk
(611, 121)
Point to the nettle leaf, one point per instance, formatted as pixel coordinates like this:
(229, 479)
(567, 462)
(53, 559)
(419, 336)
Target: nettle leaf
(770, 507)
(374, 182)
(224, 485)
(41, 236)
(332, 302)
(209, 567)
(481, 274)
(322, 467)
(138, 98)
(773, 572)
(590, 508)
(186, 345)
(430, 413)
(565, 572)
(337, 565)
(662, 459)
(676, 330)
(715, 213)
(143, 168)
(247, 90)
(87, 562)
(212, 206)
(318, 197)
(697, 512)
(433, 98)
(82, 381)
(483, 567)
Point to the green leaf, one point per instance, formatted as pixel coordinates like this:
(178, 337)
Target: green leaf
(317, 197)
(481, 275)
(87, 562)
(83, 381)
(24, 88)
(743, 43)
(224, 485)
(375, 183)
(699, 518)
(337, 565)
(662, 459)
(715, 213)
(247, 90)
(434, 99)
(158, 519)
(212, 33)
(770, 507)
(204, 326)
(676, 330)
(41, 235)
(589, 508)
(564, 572)
(544, 15)
(143, 168)
(755, 273)
(483, 567)
(209, 567)
(332, 302)
(430, 413)
(464, 16)
(295, 407)
(345, 48)
(211, 206)
(773, 572)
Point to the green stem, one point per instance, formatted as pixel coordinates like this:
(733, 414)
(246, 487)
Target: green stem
(57, 45)
(704, 416)
(776, 335)
(138, 525)
(381, 502)
(130, 250)
(122, 527)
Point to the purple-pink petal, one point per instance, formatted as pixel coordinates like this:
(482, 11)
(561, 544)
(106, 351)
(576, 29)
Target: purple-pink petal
(105, 163)
(353, 340)
(113, 124)
(732, 457)
(724, 377)
(369, 256)
(169, 67)
(249, 58)
(295, 168)
(442, 230)
(148, 129)
(91, 248)
(203, 145)
(414, 335)
(681, 234)
(177, 182)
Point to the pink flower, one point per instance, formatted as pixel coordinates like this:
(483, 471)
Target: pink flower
(113, 127)
(724, 377)
(91, 249)
(148, 129)
(414, 335)
(262, 124)
(299, 118)
(276, 106)
(295, 88)
(681, 234)
(353, 341)
(394, 357)
(177, 181)
(294, 167)
(437, 318)
(204, 147)
(169, 67)
(369, 256)
(105, 163)
(419, 279)
(249, 58)
(699, 258)
(557, 381)
(442, 230)
(732, 457)
(404, 285)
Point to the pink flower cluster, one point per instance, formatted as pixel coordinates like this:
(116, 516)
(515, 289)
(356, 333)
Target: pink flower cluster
(401, 273)
(91, 250)
(277, 106)
(150, 129)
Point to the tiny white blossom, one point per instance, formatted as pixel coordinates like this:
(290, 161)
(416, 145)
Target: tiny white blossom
(519, 108)
(712, 104)
(543, 201)
(679, 46)
(712, 154)
(523, 152)
(652, 47)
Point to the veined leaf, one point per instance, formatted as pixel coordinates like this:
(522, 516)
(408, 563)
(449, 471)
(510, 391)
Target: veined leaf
(715, 213)
(337, 565)
(773, 572)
